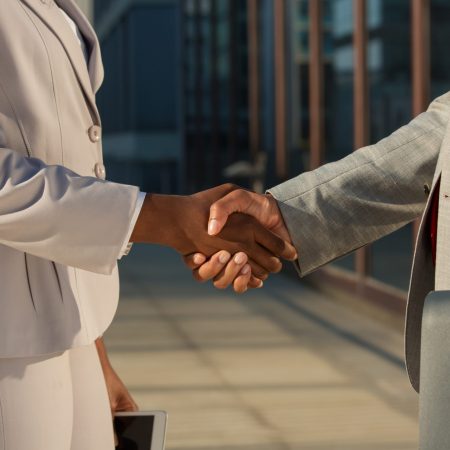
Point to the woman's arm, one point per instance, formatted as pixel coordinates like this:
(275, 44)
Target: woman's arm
(119, 397)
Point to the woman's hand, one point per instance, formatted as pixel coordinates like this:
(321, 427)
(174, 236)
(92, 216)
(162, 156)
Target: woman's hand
(225, 270)
(120, 399)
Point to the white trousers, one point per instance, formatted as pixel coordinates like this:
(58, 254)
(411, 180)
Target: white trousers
(55, 403)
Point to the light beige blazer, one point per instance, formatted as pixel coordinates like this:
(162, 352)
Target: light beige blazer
(61, 225)
(374, 191)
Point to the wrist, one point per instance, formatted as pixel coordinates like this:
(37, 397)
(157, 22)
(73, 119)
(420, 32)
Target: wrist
(103, 356)
(159, 221)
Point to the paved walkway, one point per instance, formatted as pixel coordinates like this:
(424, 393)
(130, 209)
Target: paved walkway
(281, 368)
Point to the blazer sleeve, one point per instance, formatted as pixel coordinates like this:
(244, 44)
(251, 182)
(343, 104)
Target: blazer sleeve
(342, 206)
(53, 213)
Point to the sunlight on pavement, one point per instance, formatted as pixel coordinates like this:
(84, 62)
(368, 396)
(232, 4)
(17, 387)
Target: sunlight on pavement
(279, 368)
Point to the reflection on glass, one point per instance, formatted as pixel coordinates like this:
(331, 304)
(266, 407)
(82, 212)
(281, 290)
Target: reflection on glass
(339, 81)
(389, 65)
(298, 148)
(338, 60)
(440, 38)
(215, 89)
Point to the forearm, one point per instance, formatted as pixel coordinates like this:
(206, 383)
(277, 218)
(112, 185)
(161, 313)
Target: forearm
(160, 220)
(119, 397)
(56, 214)
(344, 205)
(103, 355)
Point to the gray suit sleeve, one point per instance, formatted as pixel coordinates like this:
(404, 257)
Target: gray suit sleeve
(53, 213)
(343, 206)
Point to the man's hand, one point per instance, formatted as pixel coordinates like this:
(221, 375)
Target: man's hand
(262, 207)
(181, 222)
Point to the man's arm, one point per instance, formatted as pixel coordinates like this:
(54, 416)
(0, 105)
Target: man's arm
(342, 206)
(374, 191)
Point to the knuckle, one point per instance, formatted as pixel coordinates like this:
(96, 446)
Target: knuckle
(220, 284)
(239, 286)
(230, 186)
(215, 208)
(276, 265)
(240, 193)
(197, 276)
(239, 289)
(206, 273)
(259, 272)
(188, 261)
(280, 246)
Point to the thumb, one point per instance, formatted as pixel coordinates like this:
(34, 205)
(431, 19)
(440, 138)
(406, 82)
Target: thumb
(220, 210)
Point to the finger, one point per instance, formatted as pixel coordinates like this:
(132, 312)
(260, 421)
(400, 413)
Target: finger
(135, 406)
(213, 267)
(236, 201)
(194, 260)
(258, 271)
(241, 282)
(231, 271)
(264, 258)
(255, 283)
(275, 244)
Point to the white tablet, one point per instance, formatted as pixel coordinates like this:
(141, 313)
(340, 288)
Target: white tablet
(142, 430)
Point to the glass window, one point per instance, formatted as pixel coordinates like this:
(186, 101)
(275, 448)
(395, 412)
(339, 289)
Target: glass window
(154, 67)
(440, 39)
(111, 99)
(338, 89)
(389, 65)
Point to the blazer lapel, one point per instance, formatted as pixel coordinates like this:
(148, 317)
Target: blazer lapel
(49, 13)
(95, 60)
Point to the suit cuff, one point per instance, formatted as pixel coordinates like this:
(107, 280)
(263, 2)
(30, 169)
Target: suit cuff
(126, 247)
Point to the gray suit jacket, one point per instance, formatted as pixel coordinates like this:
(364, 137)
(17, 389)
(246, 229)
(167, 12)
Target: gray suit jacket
(61, 225)
(374, 191)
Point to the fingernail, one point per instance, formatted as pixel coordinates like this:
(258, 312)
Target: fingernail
(198, 259)
(245, 270)
(260, 285)
(224, 257)
(213, 227)
(239, 258)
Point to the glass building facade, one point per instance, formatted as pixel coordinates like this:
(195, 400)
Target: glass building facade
(141, 99)
(215, 86)
(304, 82)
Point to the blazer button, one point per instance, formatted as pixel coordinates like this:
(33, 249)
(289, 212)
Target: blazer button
(100, 171)
(94, 133)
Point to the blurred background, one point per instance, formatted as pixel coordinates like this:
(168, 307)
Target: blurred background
(200, 92)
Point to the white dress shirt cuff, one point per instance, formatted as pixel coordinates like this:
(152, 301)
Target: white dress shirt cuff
(126, 247)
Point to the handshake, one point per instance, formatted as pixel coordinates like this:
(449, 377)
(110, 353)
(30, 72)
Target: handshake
(225, 234)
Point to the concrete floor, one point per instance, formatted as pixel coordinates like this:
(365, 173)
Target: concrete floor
(281, 368)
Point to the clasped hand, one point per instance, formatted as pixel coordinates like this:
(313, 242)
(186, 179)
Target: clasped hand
(239, 270)
(209, 227)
